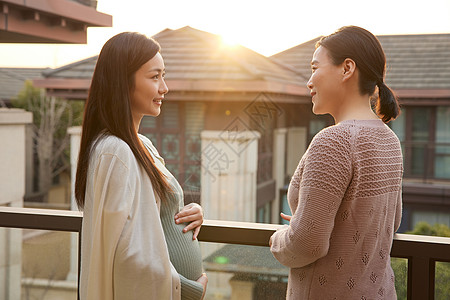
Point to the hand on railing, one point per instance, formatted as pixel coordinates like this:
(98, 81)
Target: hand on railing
(286, 217)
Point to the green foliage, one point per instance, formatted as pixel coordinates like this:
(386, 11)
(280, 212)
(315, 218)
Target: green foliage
(29, 94)
(423, 228)
(442, 278)
(400, 267)
(25, 97)
(51, 119)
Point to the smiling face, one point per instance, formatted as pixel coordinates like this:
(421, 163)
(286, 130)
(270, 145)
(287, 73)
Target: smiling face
(325, 83)
(149, 89)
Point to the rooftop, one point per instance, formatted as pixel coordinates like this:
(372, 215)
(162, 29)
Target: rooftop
(12, 81)
(413, 61)
(196, 61)
(49, 21)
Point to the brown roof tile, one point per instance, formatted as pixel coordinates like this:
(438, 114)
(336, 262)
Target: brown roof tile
(192, 55)
(12, 80)
(413, 61)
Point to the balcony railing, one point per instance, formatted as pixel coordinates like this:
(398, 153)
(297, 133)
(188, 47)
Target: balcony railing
(422, 252)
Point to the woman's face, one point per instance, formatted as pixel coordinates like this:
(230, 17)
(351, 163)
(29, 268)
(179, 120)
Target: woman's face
(149, 89)
(325, 83)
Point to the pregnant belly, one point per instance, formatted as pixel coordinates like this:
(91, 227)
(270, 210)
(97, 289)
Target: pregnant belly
(184, 252)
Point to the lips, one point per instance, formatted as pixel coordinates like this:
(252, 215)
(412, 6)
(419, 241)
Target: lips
(158, 100)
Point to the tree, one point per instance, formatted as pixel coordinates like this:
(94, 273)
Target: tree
(51, 118)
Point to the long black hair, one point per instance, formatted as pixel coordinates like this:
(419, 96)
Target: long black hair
(108, 109)
(366, 51)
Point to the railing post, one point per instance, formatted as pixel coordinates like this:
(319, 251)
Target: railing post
(421, 273)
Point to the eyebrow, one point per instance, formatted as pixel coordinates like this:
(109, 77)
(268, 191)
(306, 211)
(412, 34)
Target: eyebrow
(157, 70)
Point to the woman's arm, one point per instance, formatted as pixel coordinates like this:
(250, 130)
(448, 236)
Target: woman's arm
(109, 195)
(326, 174)
(193, 290)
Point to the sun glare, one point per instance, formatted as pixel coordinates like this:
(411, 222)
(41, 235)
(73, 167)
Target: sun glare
(229, 41)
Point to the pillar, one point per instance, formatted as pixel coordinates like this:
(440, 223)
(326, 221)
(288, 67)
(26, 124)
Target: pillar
(75, 139)
(13, 124)
(279, 169)
(228, 175)
(296, 147)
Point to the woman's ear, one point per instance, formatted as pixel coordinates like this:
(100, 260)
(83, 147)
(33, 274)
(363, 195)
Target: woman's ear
(348, 69)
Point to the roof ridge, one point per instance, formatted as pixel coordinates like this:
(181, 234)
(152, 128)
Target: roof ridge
(314, 40)
(19, 76)
(287, 66)
(49, 72)
(211, 39)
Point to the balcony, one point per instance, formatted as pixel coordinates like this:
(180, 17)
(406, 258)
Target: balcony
(49, 21)
(421, 252)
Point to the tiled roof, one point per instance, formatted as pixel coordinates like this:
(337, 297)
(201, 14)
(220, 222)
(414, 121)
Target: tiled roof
(82, 69)
(413, 61)
(192, 55)
(12, 80)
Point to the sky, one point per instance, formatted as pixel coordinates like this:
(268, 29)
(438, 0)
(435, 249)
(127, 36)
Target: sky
(267, 27)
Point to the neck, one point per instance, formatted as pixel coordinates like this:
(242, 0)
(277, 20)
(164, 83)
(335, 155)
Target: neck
(137, 122)
(355, 108)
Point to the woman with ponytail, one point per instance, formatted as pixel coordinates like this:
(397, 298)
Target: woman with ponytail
(135, 238)
(345, 195)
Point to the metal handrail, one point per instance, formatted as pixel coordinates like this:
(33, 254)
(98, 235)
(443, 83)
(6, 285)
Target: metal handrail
(421, 251)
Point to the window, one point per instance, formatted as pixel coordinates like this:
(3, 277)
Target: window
(176, 135)
(424, 133)
(442, 150)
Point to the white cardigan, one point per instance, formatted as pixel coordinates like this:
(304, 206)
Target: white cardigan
(123, 251)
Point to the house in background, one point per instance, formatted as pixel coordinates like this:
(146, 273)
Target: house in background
(231, 124)
(49, 21)
(12, 81)
(253, 115)
(418, 70)
(33, 21)
(222, 91)
(213, 86)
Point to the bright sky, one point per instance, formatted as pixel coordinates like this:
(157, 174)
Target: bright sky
(265, 26)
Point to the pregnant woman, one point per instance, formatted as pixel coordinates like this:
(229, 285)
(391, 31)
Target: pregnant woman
(123, 187)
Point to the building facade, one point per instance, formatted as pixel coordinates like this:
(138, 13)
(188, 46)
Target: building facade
(418, 70)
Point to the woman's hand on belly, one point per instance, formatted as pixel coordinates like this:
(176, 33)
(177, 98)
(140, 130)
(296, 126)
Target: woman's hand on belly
(192, 214)
(204, 281)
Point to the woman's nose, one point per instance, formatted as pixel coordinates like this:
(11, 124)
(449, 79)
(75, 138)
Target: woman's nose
(309, 84)
(163, 89)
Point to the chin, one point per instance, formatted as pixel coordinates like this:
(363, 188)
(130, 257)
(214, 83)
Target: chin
(315, 110)
(154, 113)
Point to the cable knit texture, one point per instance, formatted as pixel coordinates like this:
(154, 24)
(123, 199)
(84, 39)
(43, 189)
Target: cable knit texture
(345, 197)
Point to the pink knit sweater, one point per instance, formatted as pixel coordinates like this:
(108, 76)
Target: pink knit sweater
(345, 197)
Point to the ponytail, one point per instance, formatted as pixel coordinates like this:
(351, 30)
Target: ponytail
(365, 49)
(387, 106)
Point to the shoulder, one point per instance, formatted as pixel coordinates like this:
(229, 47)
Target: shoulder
(148, 143)
(336, 137)
(110, 145)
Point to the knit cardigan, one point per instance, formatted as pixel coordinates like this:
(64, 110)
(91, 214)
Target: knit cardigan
(345, 197)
